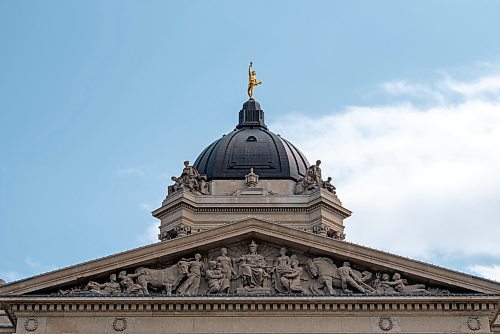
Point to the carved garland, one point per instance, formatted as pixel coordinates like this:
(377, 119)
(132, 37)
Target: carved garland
(31, 324)
(120, 324)
(474, 323)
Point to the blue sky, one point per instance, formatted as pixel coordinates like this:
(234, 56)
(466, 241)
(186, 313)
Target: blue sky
(100, 102)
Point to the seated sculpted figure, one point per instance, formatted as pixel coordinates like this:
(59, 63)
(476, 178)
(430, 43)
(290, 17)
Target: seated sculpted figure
(329, 186)
(190, 180)
(128, 284)
(215, 277)
(291, 278)
(311, 181)
(253, 268)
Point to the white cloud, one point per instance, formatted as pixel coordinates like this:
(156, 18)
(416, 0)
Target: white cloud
(402, 87)
(491, 272)
(150, 234)
(483, 85)
(422, 181)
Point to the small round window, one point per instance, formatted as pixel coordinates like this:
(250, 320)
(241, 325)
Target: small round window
(251, 138)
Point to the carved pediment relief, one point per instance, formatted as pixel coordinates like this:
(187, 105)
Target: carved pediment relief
(254, 266)
(224, 260)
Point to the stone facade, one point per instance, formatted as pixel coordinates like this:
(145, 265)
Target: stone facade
(185, 212)
(41, 301)
(249, 253)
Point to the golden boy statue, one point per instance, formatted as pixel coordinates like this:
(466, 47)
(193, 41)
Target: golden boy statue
(252, 80)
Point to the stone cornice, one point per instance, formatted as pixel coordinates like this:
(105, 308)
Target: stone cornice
(396, 304)
(250, 208)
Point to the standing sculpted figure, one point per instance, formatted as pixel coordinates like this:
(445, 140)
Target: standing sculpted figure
(226, 266)
(192, 283)
(252, 80)
(253, 268)
(281, 265)
(347, 276)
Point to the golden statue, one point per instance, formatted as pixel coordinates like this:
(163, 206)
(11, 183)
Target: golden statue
(252, 80)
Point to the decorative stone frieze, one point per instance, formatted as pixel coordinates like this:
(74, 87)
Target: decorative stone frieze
(258, 268)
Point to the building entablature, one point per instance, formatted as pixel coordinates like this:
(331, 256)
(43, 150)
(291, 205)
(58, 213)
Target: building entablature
(184, 212)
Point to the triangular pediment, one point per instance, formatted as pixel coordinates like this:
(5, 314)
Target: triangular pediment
(315, 259)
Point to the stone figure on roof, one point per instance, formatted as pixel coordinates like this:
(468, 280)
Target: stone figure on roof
(329, 186)
(251, 179)
(312, 180)
(189, 176)
(190, 180)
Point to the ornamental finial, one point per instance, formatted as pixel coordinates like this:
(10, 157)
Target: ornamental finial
(252, 80)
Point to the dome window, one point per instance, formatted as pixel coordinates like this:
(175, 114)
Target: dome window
(252, 138)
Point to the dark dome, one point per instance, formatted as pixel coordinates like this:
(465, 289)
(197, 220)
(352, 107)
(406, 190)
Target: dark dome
(251, 145)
